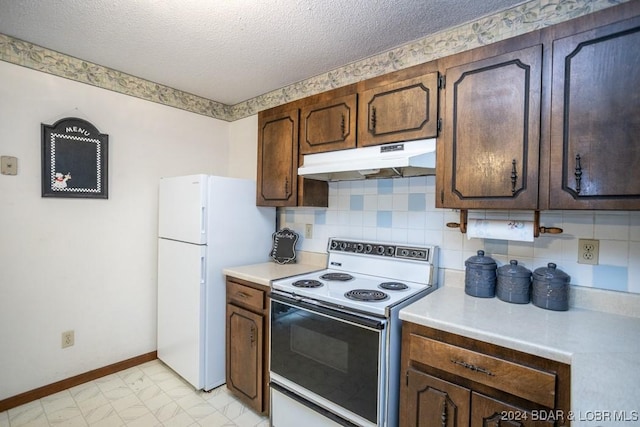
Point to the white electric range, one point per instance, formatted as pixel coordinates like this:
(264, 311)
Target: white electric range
(335, 333)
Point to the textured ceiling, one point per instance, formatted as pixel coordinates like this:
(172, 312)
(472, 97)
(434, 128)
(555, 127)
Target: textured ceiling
(230, 51)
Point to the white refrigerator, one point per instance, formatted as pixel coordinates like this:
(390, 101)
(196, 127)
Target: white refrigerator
(205, 223)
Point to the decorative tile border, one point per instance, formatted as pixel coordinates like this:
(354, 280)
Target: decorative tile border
(521, 19)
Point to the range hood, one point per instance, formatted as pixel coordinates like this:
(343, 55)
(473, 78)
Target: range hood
(411, 158)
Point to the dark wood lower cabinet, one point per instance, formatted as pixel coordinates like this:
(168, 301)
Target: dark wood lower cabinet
(247, 340)
(434, 402)
(245, 349)
(488, 412)
(454, 381)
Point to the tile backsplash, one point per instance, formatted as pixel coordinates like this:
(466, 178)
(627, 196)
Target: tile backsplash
(402, 210)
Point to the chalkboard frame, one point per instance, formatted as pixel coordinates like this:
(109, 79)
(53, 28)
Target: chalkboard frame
(75, 158)
(283, 250)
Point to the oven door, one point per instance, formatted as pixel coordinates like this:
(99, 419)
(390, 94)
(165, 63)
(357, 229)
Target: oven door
(334, 359)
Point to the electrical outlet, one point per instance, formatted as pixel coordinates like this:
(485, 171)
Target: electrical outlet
(67, 339)
(588, 251)
(308, 231)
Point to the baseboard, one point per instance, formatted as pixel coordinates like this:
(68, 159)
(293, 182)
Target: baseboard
(40, 392)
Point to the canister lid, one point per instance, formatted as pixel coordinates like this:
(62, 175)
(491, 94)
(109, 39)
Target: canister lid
(480, 261)
(550, 274)
(514, 270)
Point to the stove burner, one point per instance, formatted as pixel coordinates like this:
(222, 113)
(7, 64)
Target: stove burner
(308, 283)
(366, 295)
(393, 286)
(341, 277)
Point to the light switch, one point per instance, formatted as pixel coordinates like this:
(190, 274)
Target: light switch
(9, 165)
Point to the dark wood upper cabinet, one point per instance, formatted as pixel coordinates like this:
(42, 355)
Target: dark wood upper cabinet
(278, 183)
(277, 158)
(399, 111)
(595, 119)
(488, 154)
(329, 125)
(546, 120)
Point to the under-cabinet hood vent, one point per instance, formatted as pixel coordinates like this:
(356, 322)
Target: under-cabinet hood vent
(405, 159)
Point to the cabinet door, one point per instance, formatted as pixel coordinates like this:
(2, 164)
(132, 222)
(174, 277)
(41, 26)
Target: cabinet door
(429, 401)
(277, 159)
(488, 412)
(399, 111)
(245, 355)
(490, 144)
(329, 125)
(595, 123)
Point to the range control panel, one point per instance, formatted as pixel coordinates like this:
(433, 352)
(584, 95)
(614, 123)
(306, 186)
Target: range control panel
(415, 253)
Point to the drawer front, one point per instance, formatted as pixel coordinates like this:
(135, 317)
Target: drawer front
(245, 296)
(522, 381)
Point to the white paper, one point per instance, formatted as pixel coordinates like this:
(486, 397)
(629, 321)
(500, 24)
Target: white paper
(500, 229)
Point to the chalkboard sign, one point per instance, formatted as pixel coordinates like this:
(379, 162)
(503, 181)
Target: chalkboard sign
(284, 246)
(74, 160)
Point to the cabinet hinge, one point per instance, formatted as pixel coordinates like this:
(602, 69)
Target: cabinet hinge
(441, 196)
(442, 80)
(440, 124)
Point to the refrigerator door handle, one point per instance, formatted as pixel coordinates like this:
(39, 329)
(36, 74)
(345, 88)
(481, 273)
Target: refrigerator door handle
(203, 220)
(203, 270)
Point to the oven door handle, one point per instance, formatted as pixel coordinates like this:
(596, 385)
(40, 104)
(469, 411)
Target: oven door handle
(329, 311)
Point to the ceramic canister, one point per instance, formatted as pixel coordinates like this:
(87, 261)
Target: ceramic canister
(551, 288)
(480, 276)
(514, 283)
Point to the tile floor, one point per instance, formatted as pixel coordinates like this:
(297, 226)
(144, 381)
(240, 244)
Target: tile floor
(147, 395)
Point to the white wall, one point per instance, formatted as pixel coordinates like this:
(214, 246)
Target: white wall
(83, 264)
(243, 148)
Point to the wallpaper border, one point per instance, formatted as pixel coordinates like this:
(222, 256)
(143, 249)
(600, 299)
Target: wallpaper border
(518, 20)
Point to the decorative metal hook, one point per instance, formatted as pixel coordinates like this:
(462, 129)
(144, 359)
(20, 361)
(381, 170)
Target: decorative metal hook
(514, 176)
(578, 173)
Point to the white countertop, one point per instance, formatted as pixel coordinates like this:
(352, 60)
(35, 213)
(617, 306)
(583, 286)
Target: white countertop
(264, 273)
(602, 348)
